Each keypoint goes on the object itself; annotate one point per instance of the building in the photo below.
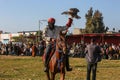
(7, 37)
(76, 31)
(100, 37)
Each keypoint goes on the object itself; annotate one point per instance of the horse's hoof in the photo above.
(69, 69)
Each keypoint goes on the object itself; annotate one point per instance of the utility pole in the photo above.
(40, 22)
(39, 32)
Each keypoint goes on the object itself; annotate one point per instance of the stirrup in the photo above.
(46, 69)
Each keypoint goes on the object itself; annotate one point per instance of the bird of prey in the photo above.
(72, 12)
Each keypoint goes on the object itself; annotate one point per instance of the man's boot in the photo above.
(68, 68)
(46, 66)
(47, 58)
(46, 63)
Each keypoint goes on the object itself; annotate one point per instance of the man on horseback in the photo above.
(50, 33)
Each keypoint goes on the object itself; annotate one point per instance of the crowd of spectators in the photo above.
(22, 49)
(111, 51)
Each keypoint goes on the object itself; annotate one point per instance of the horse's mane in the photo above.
(62, 35)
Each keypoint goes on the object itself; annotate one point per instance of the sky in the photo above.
(24, 15)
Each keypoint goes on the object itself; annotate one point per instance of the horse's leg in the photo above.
(62, 74)
(48, 75)
(52, 76)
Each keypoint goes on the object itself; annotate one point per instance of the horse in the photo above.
(58, 60)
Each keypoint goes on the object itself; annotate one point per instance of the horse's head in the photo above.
(61, 41)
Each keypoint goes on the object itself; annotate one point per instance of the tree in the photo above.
(94, 22)
(119, 31)
(18, 38)
(39, 35)
(89, 27)
(113, 29)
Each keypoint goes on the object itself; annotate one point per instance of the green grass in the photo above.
(31, 68)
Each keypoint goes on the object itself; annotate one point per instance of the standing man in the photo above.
(50, 33)
(92, 57)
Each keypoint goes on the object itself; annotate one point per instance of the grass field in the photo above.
(31, 68)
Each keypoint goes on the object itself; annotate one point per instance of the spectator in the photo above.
(92, 52)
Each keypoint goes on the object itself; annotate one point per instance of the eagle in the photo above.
(72, 12)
